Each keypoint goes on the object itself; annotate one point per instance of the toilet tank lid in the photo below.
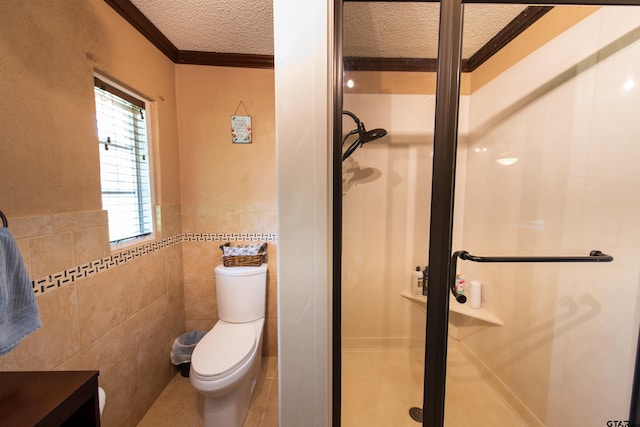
(240, 271)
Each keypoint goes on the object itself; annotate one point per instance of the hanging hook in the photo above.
(5, 223)
(241, 104)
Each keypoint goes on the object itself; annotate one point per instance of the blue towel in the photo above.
(18, 307)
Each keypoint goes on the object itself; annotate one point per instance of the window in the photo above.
(124, 162)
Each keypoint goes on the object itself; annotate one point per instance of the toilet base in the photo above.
(230, 410)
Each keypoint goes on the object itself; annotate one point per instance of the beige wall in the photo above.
(116, 312)
(121, 311)
(549, 26)
(228, 190)
(568, 119)
(386, 211)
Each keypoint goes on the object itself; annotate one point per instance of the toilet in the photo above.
(226, 361)
(102, 399)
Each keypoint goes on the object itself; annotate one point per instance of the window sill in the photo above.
(129, 243)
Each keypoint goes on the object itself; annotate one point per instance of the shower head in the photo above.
(364, 136)
(373, 134)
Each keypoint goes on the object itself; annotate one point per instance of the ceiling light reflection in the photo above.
(629, 84)
(507, 161)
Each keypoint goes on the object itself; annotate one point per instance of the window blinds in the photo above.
(124, 162)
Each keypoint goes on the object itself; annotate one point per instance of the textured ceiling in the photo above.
(224, 26)
(410, 30)
(371, 29)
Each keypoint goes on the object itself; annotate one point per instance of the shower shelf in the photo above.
(456, 307)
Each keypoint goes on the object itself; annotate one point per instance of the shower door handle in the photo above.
(594, 256)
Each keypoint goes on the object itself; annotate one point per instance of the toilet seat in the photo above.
(222, 349)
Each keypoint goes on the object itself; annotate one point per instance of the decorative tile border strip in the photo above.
(89, 269)
(230, 237)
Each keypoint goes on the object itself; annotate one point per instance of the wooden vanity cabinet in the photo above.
(49, 399)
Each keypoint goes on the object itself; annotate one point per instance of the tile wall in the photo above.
(114, 313)
(567, 114)
(119, 312)
(201, 255)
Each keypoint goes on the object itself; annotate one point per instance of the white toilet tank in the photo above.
(241, 293)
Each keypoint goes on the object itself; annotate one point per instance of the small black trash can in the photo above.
(182, 350)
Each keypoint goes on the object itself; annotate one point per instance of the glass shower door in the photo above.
(547, 156)
(385, 208)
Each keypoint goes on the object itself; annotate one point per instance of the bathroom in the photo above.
(545, 166)
(53, 204)
(122, 318)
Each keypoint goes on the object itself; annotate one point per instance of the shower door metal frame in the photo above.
(442, 205)
(336, 241)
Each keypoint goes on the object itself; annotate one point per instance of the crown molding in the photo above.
(513, 29)
(224, 59)
(132, 14)
(356, 63)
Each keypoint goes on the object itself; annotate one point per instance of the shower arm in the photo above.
(353, 132)
(353, 116)
(594, 256)
(358, 130)
(359, 127)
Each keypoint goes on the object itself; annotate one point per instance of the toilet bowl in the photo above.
(226, 362)
(102, 399)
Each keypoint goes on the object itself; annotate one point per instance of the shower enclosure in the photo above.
(516, 168)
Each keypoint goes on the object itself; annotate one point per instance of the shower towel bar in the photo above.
(594, 256)
(5, 223)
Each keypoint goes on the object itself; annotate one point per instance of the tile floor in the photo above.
(378, 388)
(179, 405)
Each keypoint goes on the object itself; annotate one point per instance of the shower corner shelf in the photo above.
(456, 307)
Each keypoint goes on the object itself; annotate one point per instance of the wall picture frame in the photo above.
(241, 129)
